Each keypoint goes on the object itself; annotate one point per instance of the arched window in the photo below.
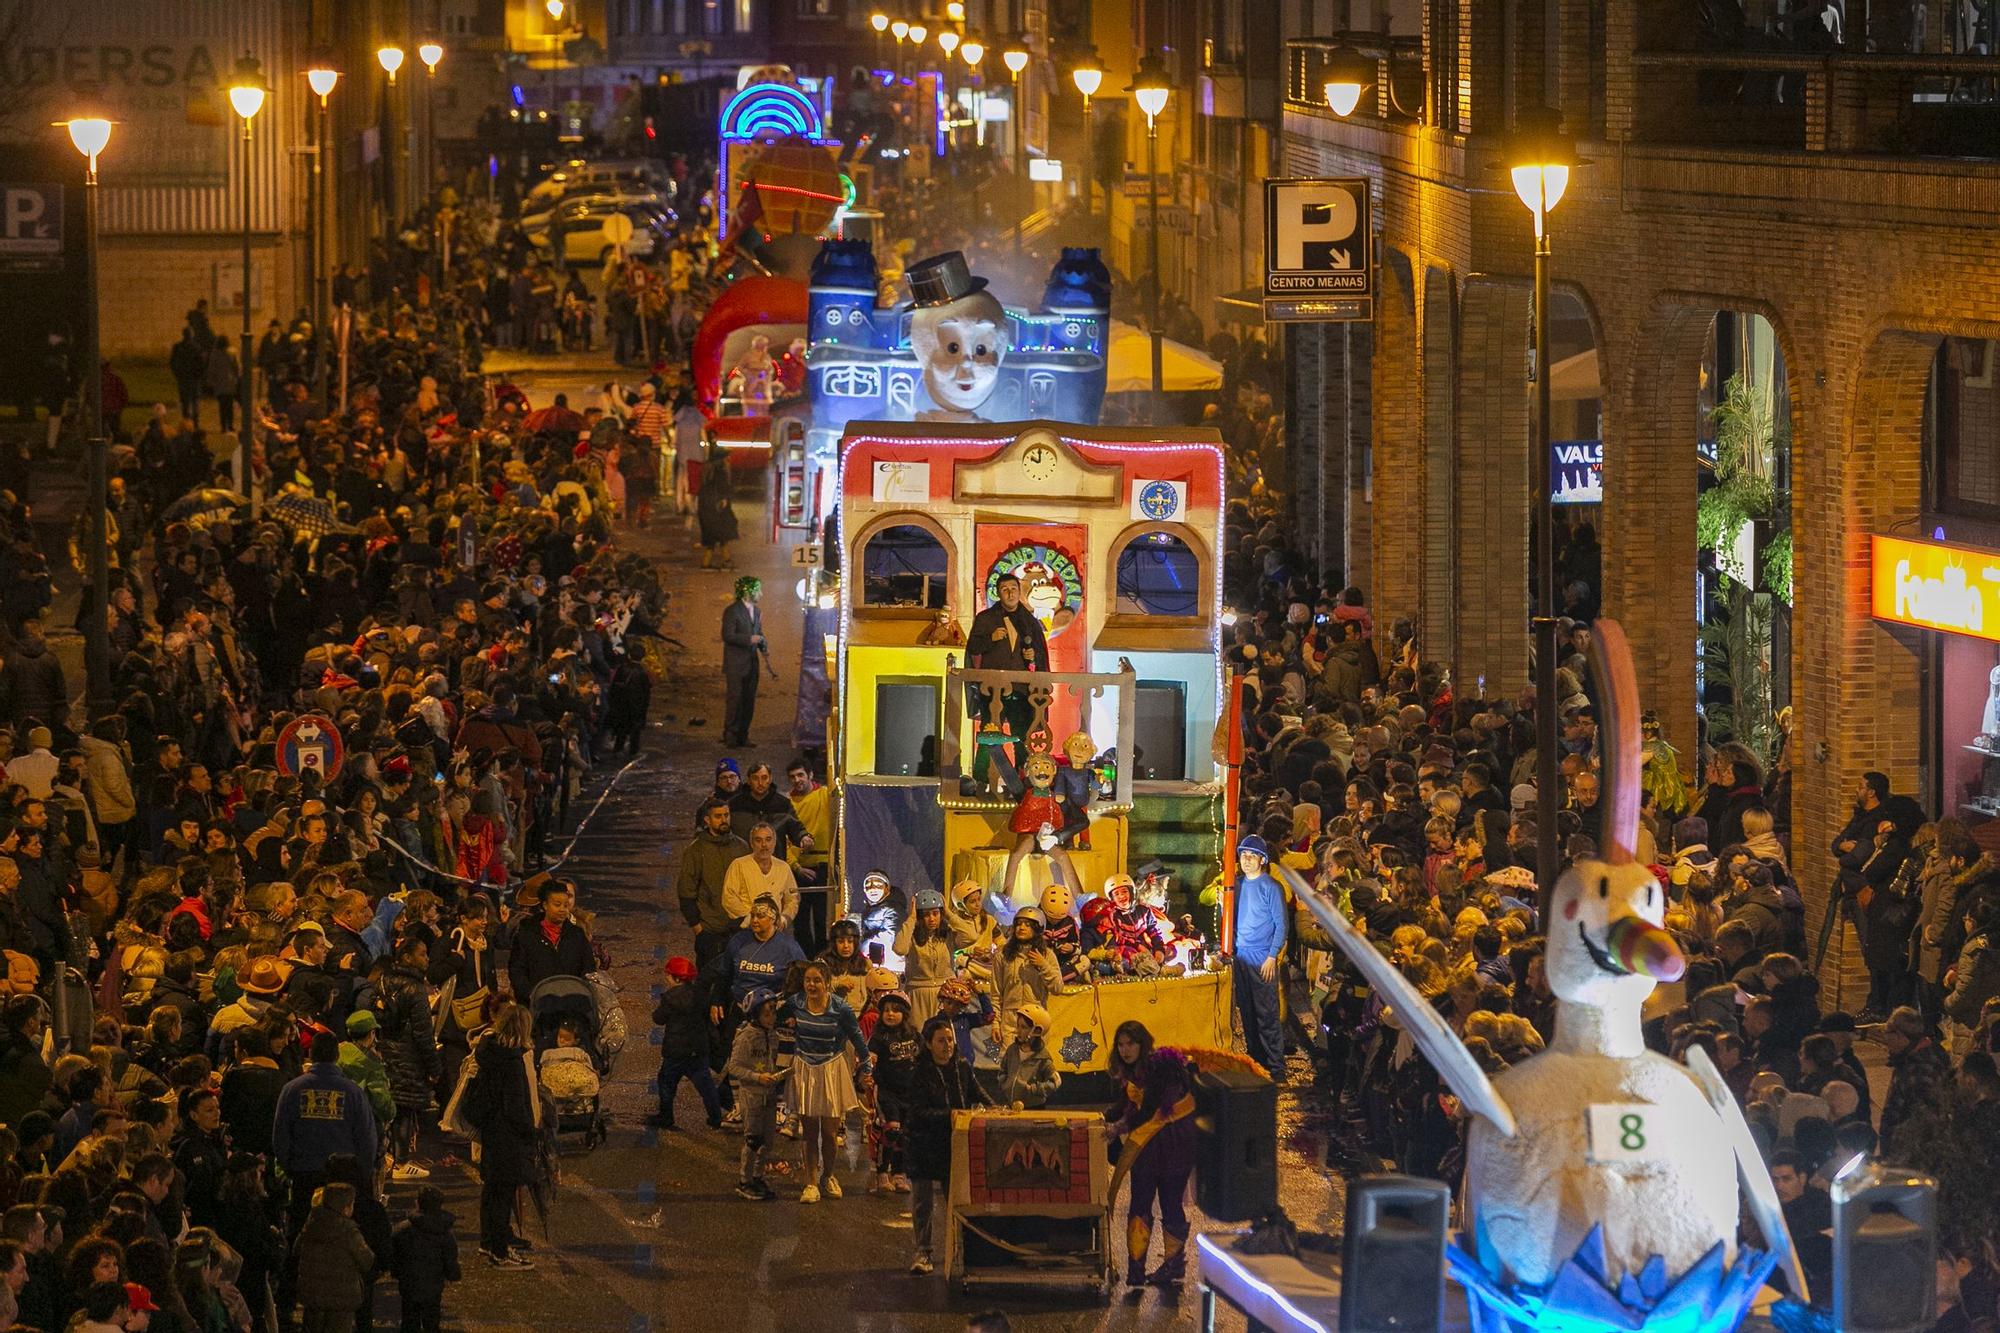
(905, 564)
(1158, 575)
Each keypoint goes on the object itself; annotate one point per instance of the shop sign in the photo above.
(1576, 472)
(1932, 585)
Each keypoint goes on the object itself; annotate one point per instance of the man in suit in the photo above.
(743, 650)
(1006, 636)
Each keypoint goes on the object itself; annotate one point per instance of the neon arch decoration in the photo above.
(771, 109)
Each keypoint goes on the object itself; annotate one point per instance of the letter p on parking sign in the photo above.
(1318, 256)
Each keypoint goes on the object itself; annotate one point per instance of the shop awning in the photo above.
(1575, 378)
(1240, 307)
(1182, 368)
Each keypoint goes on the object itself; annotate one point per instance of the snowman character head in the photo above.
(958, 331)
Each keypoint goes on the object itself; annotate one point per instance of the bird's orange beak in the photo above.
(1644, 949)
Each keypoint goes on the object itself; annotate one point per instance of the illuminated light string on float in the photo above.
(1086, 448)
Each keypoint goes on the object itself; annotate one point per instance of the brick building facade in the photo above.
(1818, 191)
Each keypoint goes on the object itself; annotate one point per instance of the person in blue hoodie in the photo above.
(1261, 921)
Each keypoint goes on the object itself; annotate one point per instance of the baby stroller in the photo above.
(573, 1083)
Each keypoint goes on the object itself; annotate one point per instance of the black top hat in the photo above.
(942, 279)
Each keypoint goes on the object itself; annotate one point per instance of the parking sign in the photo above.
(31, 228)
(1318, 251)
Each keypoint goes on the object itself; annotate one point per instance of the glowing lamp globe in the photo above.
(90, 134)
(1015, 59)
(322, 80)
(972, 53)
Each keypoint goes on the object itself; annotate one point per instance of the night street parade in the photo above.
(1277, 666)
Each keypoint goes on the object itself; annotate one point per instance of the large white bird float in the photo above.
(1601, 1178)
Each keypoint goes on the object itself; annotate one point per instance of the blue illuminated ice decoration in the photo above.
(1711, 1297)
(860, 366)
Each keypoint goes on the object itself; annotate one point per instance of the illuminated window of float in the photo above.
(905, 564)
(1158, 575)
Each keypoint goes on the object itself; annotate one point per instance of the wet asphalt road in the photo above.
(645, 1232)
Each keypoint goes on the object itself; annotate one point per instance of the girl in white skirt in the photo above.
(822, 1092)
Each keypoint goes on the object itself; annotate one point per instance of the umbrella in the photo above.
(555, 420)
(306, 513)
(1130, 363)
(200, 507)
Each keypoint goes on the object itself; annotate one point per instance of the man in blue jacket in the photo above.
(1261, 922)
(320, 1113)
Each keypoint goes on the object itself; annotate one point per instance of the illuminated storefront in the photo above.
(1952, 590)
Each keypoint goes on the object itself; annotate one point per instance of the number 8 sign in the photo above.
(1626, 1132)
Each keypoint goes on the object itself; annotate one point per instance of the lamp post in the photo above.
(880, 23)
(972, 51)
(1539, 157)
(900, 30)
(1088, 77)
(391, 59)
(246, 95)
(321, 79)
(948, 41)
(1149, 89)
(556, 9)
(430, 52)
(91, 134)
(1015, 58)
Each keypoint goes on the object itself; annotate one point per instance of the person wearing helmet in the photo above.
(925, 947)
(894, 1047)
(1028, 1076)
(1025, 972)
(973, 929)
(968, 1009)
(1261, 922)
(744, 649)
(883, 907)
(849, 966)
(755, 1069)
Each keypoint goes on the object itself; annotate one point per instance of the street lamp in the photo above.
(1149, 89)
(321, 79)
(1088, 77)
(392, 60)
(1347, 73)
(880, 23)
(430, 52)
(1015, 58)
(1539, 158)
(246, 95)
(972, 51)
(91, 134)
(955, 11)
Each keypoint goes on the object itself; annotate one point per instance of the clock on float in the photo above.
(1038, 462)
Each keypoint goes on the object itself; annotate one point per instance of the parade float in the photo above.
(779, 191)
(1044, 782)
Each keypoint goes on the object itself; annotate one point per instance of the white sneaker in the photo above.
(410, 1171)
(832, 1188)
(810, 1194)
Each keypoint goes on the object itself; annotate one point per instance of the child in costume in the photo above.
(1135, 943)
(974, 931)
(894, 1049)
(1061, 931)
(1025, 972)
(883, 908)
(757, 1064)
(925, 948)
(1028, 1076)
(1157, 1147)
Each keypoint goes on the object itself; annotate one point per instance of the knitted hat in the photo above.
(361, 1022)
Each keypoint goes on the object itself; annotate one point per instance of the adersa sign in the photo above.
(1936, 585)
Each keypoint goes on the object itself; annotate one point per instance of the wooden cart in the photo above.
(1029, 1200)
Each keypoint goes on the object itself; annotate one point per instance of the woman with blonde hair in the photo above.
(502, 1105)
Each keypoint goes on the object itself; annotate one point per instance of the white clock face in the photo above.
(1038, 464)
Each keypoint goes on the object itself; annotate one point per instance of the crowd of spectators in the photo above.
(1414, 802)
(260, 905)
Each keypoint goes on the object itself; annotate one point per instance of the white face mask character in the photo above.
(961, 344)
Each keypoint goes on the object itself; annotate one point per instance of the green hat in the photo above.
(749, 586)
(360, 1023)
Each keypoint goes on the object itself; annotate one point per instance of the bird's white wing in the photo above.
(1765, 1206)
(1425, 1025)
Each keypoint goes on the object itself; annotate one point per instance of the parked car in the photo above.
(535, 221)
(642, 173)
(585, 240)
